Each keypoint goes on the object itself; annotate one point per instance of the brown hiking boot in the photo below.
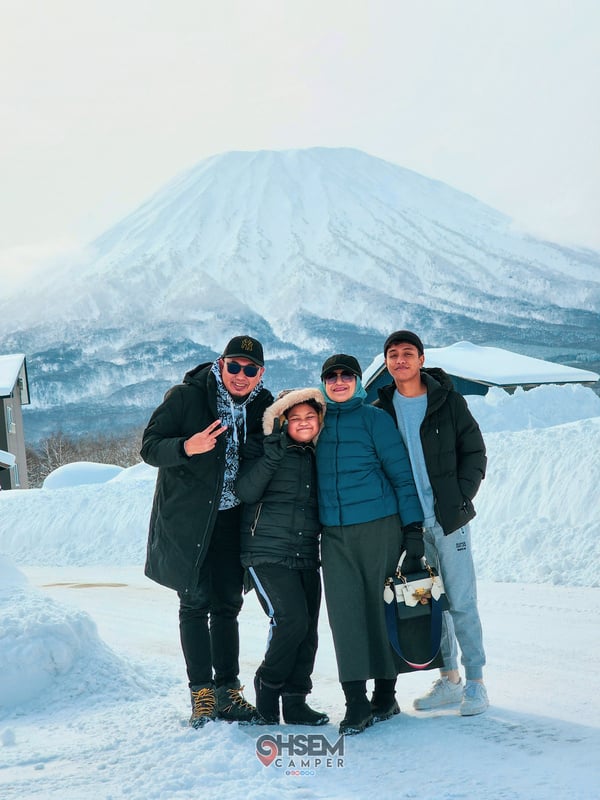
(204, 705)
(232, 706)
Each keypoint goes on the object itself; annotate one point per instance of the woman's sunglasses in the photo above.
(250, 370)
(345, 377)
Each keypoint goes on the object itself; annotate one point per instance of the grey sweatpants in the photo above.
(453, 558)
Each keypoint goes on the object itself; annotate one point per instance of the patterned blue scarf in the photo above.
(233, 414)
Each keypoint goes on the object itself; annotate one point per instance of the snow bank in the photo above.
(542, 407)
(80, 473)
(80, 525)
(537, 508)
(47, 648)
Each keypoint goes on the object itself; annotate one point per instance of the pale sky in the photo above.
(104, 101)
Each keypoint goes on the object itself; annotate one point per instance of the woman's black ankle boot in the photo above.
(383, 701)
(358, 708)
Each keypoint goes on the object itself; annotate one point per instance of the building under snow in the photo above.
(474, 369)
(14, 393)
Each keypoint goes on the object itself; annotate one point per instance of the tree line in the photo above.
(59, 449)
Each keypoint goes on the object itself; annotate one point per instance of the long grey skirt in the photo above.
(356, 561)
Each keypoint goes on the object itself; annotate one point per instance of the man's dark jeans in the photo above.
(208, 617)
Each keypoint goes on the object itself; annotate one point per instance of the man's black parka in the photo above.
(188, 489)
(453, 447)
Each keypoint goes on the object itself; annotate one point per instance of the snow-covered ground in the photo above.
(93, 696)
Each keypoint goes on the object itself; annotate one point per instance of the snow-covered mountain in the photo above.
(313, 251)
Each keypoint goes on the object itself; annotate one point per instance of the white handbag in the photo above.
(415, 590)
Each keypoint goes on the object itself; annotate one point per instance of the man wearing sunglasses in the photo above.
(195, 437)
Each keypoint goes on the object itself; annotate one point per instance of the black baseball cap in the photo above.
(245, 347)
(341, 361)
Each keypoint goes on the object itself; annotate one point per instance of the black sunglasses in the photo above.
(250, 370)
(345, 377)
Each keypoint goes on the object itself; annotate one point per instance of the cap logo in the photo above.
(247, 344)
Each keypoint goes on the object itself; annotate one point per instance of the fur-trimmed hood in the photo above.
(288, 398)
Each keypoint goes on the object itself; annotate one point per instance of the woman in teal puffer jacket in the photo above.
(370, 512)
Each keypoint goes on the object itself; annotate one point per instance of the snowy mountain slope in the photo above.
(306, 231)
(312, 251)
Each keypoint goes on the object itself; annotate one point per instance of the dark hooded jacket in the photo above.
(278, 486)
(453, 447)
(188, 489)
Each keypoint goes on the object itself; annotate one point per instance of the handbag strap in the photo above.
(424, 564)
(391, 622)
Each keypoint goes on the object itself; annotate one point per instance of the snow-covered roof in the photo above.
(500, 367)
(493, 366)
(10, 366)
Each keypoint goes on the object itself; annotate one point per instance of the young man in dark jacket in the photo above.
(194, 438)
(448, 458)
(280, 549)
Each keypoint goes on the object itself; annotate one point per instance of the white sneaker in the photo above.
(442, 693)
(475, 699)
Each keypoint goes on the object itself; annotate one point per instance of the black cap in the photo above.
(245, 347)
(341, 361)
(403, 336)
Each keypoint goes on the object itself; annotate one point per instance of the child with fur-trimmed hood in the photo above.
(280, 550)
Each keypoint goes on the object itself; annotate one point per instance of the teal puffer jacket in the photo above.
(363, 468)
